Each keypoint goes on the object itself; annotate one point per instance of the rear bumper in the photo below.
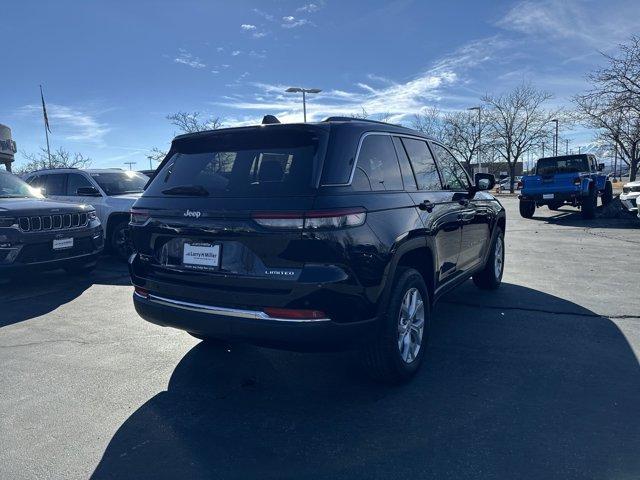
(572, 196)
(252, 326)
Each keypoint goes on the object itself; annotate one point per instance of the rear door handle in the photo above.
(426, 205)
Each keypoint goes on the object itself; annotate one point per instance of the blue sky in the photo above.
(113, 70)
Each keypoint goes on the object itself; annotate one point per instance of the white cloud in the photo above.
(310, 7)
(73, 124)
(259, 34)
(587, 24)
(293, 22)
(379, 96)
(188, 59)
(235, 53)
(263, 14)
(247, 26)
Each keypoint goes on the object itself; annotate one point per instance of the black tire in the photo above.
(382, 358)
(555, 206)
(119, 240)
(607, 195)
(489, 278)
(80, 269)
(589, 204)
(527, 208)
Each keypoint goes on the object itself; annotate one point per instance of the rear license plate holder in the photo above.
(201, 256)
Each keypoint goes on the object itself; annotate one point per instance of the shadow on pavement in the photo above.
(504, 393)
(612, 216)
(29, 296)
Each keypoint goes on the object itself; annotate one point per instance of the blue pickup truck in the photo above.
(566, 180)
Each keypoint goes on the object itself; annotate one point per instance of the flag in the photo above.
(44, 111)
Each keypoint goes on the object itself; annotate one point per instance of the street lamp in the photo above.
(479, 109)
(304, 92)
(555, 141)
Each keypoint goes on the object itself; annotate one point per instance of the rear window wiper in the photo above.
(191, 190)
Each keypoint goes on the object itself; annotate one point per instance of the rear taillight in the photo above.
(139, 217)
(294, 314)
(312, 220)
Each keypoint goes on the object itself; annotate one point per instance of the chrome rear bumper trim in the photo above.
(223, 311)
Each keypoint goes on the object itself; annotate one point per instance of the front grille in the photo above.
(42, 252)
(53, 222)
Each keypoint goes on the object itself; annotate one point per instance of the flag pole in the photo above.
(46, 126)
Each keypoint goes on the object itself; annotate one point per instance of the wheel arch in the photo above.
(414, 254)
(113, 219)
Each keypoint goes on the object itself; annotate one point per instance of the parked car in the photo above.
(111, 191)
(630, 194)
(324, 236)
(42, 234)
(568, 179)
(148, 173)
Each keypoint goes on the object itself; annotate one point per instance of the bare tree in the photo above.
(517, 121)
(362, 115)
(429, 121)
(612, 104)
(189, 122)
(461, 133)
(60, 158)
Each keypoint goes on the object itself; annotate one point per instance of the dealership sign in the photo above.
(8, 147)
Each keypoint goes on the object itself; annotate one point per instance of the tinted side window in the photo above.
(423, 165)
(36, 181)
(377, 165)
(454, 177)
(76, 181)
(55, 184)
(405, 166)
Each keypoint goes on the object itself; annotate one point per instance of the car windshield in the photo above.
(550, 166)
(12, 187)
(120, 183)
(250, 164)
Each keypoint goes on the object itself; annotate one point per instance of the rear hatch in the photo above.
(207, 217)
(556, 174)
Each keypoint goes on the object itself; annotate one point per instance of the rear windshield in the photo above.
(262, 162)
(550, 166)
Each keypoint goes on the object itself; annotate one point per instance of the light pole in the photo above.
(131, 164)
(542, 149)
(479, 109)
(304, 92)
(555, 140)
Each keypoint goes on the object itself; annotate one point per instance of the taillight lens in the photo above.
(312, 220)
(138, 217)
(143, 292)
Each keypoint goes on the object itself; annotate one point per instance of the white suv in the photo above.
(112, 192)
(630, 194)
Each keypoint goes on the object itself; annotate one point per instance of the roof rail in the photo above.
(355, 119)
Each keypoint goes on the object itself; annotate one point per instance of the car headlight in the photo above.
(7, 221)
(92, 215)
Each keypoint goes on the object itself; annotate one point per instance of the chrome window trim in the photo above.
(355, 163)
(224, 311)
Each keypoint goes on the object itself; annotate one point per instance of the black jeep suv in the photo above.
(336, 234)
(41, 234)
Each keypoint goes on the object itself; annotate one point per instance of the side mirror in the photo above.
(600, 167)
(88, 192)
(484, 181)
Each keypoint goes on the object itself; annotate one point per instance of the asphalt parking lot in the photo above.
(539, 379)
